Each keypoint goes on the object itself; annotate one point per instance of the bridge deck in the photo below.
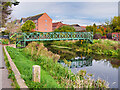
(45, 36)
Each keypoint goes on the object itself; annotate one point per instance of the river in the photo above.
(103, 67)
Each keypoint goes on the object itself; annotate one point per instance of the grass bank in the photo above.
(24, 66)
(101, 47)
(40, 56)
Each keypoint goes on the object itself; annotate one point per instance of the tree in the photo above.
(6, 11)
(28, 26)
(115, 24)
(65, 29)
(12, 27)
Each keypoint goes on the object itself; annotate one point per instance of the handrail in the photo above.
(44, 36)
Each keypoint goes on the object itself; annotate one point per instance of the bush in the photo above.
(64, 76)
(28, 26)
(5, 41)
(109, 35)
(97, 36)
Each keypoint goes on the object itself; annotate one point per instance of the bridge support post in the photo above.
(24, 43)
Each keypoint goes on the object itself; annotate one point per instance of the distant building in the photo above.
(42, 22)
(78, 28)
(57, 25)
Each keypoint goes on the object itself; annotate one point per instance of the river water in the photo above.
(104, 68)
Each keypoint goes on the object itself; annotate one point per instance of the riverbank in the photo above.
(64, 77)
(101, 47)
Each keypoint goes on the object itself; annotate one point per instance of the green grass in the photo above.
(24, 66)
(11, 73)
(101, 47)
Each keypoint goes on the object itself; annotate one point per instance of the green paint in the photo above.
(47, 36)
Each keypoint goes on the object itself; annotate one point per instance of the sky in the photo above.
(69, 12)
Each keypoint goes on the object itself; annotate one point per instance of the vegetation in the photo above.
(62, 75)
(114, 24)
(28, 26)
(65, 29)
(12, 27)
(24, 65)
(6, 11)
(109, 27)
(11, 73)
(100, 47)
(4, 41)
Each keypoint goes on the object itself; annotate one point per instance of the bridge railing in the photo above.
(57, 36)
(43, 36)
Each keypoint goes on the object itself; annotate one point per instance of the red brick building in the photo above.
(57, 25)
(42, 21)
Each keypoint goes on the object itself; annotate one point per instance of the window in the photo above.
(46, 29)
(35, 21)
(45, 20)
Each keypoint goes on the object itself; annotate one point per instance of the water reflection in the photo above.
(78, 62)
(102, 68)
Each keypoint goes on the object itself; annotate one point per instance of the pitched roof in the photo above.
(32, 17)
(35, 17)
(83, 26)
(78, 28)
(57, 25)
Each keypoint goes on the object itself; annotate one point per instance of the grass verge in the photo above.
(24, 66)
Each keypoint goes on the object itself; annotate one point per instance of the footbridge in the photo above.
(22, 38)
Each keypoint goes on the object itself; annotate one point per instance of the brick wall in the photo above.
(44, 24)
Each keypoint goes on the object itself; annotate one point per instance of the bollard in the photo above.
(36, 73)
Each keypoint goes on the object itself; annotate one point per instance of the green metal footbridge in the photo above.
(22, 38)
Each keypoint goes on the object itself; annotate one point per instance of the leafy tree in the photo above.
(28, 26)
(65, 29)
(12, 27)
(115, 24)
(6, 11)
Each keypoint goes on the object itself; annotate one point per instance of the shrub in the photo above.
(5, 41)
(34, 49)
(97, 36)
(28, 26)
(109, 35)
(64, 76)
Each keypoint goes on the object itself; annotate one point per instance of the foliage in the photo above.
(109, 35)
(12, 27)
(28, 26)
(34, 49)
(65, 29)
(101, 47)
(115, 24)
(101, 29)
(24, 65)
(6, 32)
(6, 11)
(64, 76)
(5, 41)
(97, 36)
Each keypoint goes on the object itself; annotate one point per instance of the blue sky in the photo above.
(82, 13)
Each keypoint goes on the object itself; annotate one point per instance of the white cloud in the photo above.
(83, 13)
(81, 22)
